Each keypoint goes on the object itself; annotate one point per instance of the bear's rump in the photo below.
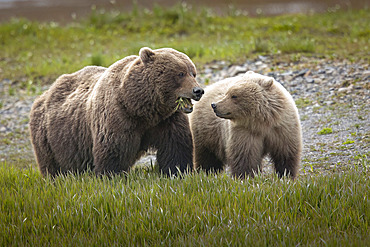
(69, 134)
(69, 137)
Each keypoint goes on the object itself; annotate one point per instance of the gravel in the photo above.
(329, 94)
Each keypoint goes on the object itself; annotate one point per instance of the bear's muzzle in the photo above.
(197, 93)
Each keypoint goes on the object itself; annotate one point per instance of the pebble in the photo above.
(310, 80)
(236, 70)
(302, 72)
(329, 102)
(345, 89)
(366, 74)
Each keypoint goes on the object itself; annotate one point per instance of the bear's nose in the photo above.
(198, 92)
(213, 105)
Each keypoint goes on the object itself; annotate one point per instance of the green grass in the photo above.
(303, 102)
(42, 51)
(145, 209)
(325, 131)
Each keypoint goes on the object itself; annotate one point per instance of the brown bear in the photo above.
(104, 119)
(253, 116)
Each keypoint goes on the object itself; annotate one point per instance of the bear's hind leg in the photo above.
(285, 150)
(45, 159)
(285, 164)
(207, 160)
(44, 155)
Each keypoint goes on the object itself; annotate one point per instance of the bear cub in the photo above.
(242, 119)
(104, 119)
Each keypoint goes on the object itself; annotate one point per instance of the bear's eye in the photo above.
(234, 97)
(182, 74)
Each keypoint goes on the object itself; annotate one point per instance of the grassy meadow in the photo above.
(39, 52)
(145, 209)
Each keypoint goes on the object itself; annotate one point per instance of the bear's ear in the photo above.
(146, 54)
(267, 83)
(248, 74)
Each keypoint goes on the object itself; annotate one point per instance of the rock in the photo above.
(302, 72)
(345, 89)
(287, 73)
(258, 63)
(318, 81)
(310, 80)
(321, 71)
(235, 70)
(293, 83)
(263, 58)
(366, 74)
(3, 129)
(208, 71)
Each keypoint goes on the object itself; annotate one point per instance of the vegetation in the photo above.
(325, 131)
(145, 209)
(40, 51)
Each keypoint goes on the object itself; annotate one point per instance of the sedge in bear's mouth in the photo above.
(184, 105)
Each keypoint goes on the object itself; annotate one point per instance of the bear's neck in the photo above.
(141, 101)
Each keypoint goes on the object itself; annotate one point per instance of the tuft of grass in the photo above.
(325, 131)
(5, 141)
(145, 209)
(348, 142)
(261, 46)
(97, 59)
(296, 45)
(302, 102)
(11, 91)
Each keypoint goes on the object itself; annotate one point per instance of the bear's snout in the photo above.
(197, 93)
(220, 112)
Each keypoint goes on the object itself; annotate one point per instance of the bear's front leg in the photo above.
(174, 144)
(244, 154)
(114, 154)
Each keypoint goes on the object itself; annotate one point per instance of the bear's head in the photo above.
(247, 99)
(173, 75)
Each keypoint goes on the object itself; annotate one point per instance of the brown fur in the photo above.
(104, 119)
(253, 116)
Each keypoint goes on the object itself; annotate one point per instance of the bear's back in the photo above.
(288, 99)
(78, 83)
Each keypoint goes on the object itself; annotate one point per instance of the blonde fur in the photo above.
(253, 116)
